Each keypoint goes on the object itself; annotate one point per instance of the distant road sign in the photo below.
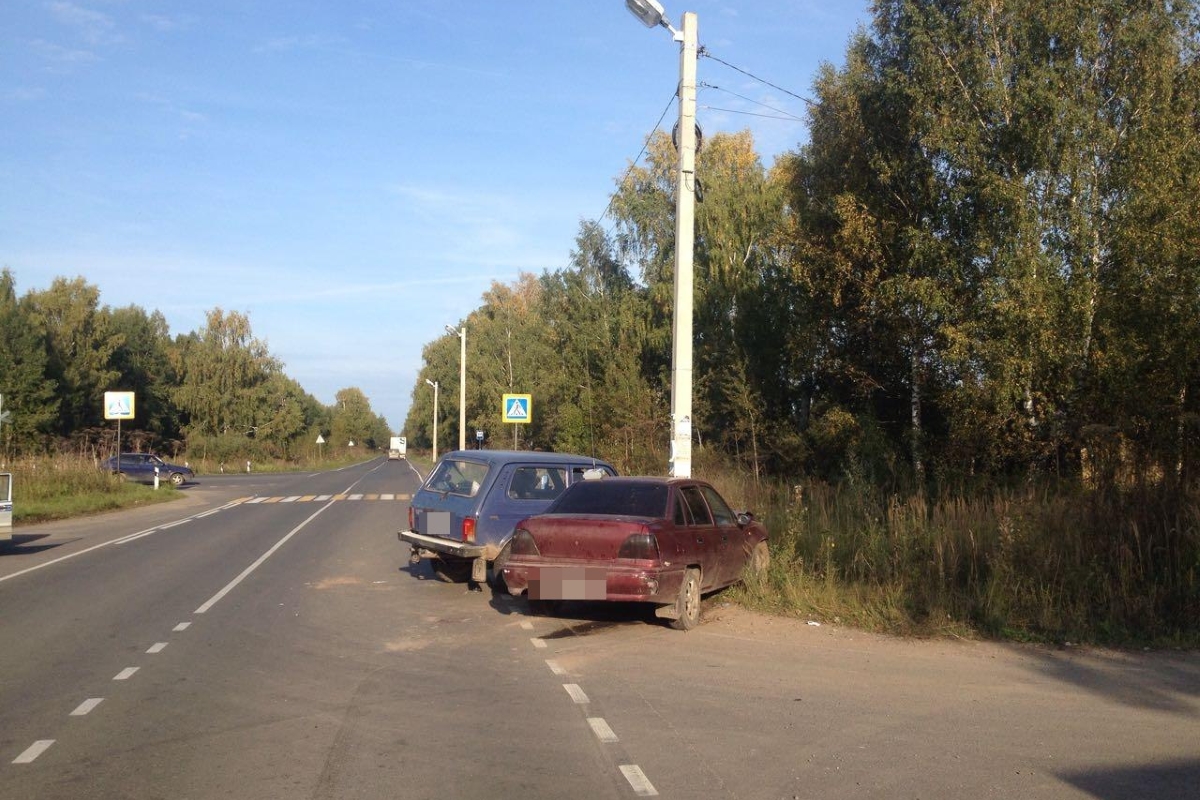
(118, 405)
(517, 408)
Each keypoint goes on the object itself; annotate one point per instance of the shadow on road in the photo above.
(1158, 681)
(21, 544)
(1177, 780)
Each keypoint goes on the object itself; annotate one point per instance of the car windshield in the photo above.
(617, 498)
(458, 477)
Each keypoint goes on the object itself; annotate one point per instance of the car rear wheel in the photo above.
(545, 608)
(760, 560)
(497, 581)
(452, 570)
(688, 602)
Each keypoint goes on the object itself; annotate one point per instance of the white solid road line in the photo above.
(33, 751)
(212, 601)
(86, 706)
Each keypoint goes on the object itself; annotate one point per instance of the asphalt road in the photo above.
(266, 638)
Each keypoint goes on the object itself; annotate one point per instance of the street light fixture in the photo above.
(434, 384)
(462, 386)
(651, 14)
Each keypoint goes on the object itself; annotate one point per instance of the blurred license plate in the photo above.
(569, 583)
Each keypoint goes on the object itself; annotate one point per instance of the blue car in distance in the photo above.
(140, 467)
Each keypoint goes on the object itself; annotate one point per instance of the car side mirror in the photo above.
(744, 518)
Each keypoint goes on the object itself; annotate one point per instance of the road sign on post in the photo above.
(517, 408)
(119, 406)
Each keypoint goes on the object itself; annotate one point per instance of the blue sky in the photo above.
(353, 175)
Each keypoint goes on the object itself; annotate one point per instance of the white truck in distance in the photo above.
(399, 448)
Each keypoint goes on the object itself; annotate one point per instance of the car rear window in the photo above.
(537, 483)
(457, 477)
(614, 498)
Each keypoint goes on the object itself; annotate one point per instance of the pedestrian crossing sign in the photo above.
(516, 408)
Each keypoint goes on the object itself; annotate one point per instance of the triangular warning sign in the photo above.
(516, 409)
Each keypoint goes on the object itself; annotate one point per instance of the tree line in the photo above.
(982, 266)
(217, 393)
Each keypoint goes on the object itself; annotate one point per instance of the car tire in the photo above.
(760, 560)
(688, 602)
(545, 608)
(497, 580)
(177, 478)
(451, 570)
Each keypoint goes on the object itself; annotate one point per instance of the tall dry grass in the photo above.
(1051, 562)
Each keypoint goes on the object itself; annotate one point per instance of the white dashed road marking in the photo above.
(527, 625)
(538, 642)
(86, 706)
(576, 693)
(125, 674)
(157, 647)
(642, 786)
(34, 750)
(603, 732)
(183, 626)
(554, 667)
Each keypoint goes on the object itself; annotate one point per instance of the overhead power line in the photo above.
(704, 52)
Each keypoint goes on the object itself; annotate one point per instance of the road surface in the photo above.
(265, 637)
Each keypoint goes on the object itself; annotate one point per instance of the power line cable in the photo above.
(787, 114)
(642, 152)
(704, 52)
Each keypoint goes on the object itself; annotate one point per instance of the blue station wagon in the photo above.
(463, 516)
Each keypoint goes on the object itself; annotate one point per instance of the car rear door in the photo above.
(521, 490)
(703, 537)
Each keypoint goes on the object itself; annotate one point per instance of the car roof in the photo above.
(501, 457)
(660, 479)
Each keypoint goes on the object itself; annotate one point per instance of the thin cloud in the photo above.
(94, 26)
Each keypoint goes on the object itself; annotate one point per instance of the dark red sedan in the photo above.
(648, 540)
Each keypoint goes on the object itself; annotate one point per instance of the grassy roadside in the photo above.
(1054, 563)
(63, 487)
(46, 489)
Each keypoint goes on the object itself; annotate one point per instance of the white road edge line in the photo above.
(87, 706)
(216, 598)
(122, 540)
(33, 751)
(642, 786)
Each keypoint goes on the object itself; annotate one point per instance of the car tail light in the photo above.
(640, 546)
(412, 526)
(468, 529)
(523, 544)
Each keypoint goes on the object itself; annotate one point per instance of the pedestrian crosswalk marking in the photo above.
(322, 498)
